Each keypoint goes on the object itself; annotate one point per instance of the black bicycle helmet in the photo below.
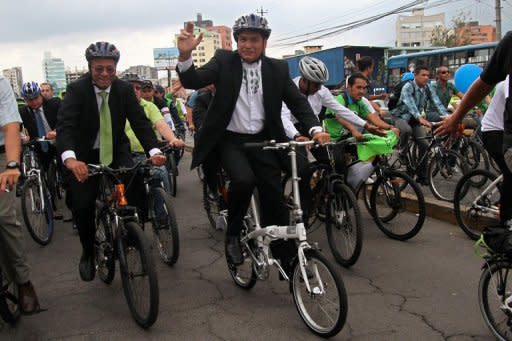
(251, 22)
(131, 77)
(102, 49)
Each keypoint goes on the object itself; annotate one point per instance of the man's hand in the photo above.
(374, 130)
(158, 159)
(357, 135)
(396, 131)
(78, 168)
(320, 137)
(177, 143)
(9, 178)
(187, 42)
(301, 138)
(424, 122)
(51, 135)
(25, 137)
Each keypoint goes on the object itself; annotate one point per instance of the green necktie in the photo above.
(105, 131)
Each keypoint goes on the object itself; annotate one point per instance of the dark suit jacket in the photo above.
(225, 71)
(78, 120)
(50, 109)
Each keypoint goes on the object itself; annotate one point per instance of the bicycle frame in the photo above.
(490, 189)
(264, 235)
(31, 172)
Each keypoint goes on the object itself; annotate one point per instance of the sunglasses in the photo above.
(444, 72)
(109, 69)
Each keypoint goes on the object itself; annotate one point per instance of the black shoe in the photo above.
(57, 215)
(233, 250)
(86, 267)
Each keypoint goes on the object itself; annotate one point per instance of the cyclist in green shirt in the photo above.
(352, 98)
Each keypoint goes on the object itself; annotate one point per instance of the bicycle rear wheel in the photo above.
(37, 211)
(475, 155)
(474, 215)
(398, 205)
(343, 225)
(166, 236)
(138, 274)
(495, 299)
(104, 248)
(324, 309)
(10, 310)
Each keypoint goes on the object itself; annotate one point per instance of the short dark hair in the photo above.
(358, 75)
(365, 62)
(46, 83)
(418, 69)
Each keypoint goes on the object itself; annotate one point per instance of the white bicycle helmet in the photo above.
(313, 70)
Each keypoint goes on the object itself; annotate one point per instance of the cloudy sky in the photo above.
(66, 28)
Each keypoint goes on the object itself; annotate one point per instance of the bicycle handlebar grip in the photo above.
(258, 144)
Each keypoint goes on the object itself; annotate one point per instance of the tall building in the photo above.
(144, 71)
(15, 77)
(206, 49)
(416, 30)
(223, 31)
(473, 33)
(54, 72)
(73, 75)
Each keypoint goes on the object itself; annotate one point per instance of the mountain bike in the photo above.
(36, 199)
(317, 289)
(119, 235)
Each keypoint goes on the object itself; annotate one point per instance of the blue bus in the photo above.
(453, 58)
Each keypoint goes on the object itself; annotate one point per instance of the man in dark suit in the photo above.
(90, 129)
(250, 89)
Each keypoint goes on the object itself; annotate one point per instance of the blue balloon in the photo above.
(465, 76)
(408, 76)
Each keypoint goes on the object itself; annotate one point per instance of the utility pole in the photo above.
(498, 20)
(261, 11)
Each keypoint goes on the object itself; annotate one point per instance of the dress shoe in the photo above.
(57, 215)
(233, 250)
(86, 267)
(28, 301)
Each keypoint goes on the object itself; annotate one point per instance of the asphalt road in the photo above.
(423, 289)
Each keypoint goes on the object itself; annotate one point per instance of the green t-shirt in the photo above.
(331, 124)
(153, 114)
(445, 94)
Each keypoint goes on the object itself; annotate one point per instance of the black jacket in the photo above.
(50, 109)
(225, 71)
(78, 120)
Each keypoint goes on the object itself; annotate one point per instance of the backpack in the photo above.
(394, 97)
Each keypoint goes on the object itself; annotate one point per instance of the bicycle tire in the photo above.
(172, 174)
(133, 241)
(389, 187)
(475, 155)
(55, 182)
(444, 173)
(30, 189)
(104, 248)
(10, 310)
(212, 206)
(470, 219)
(169, 251)
(497, 294)
(336, 288)
(344, 218)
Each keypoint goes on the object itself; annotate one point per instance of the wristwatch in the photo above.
(12, 165)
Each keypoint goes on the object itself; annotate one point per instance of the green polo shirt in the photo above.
(331, 124)
(153, 114)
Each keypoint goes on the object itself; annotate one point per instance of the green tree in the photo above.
(455, 35)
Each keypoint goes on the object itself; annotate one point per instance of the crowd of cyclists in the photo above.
(241, 97)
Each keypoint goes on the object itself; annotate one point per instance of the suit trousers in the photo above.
(13, 260)
(248, 168)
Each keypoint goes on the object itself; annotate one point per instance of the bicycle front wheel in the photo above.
(37, 211)
(324, 308)
(398, 205)
(473, 210)
(444, 172)
(138, 274)
(10, 310)
(166, 236)
(104, 248)
(495, 299)
(343, 224)
(172, 173)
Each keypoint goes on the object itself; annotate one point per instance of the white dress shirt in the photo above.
(321, 98)
(494, 116)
